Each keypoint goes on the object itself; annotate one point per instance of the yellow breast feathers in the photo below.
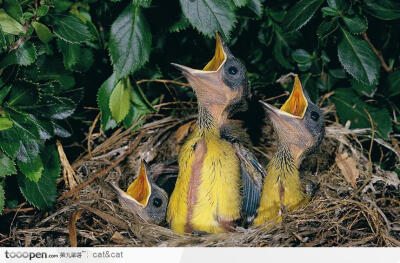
(282, 189)
(207, 192)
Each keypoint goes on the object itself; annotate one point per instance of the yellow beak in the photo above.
(297, 103)
(140, 188)
(207, 82)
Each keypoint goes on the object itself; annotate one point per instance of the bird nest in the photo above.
(356, 203)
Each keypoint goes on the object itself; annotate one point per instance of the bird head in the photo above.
(143, 197)
(221, 85)
(299, 123)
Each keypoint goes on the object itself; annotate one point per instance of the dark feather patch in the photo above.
(252, 177)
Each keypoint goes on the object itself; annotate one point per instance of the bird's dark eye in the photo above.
(232, 70)
(314, 115)
(157, 202)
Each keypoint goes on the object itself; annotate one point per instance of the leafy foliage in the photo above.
(358, 59)
(130, 41)
(56, 53)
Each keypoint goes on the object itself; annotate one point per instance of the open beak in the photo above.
(135, 199)
(207, 82)
(289, 116)
(297, 103)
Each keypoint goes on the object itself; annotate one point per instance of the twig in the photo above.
(21, 39)
(89, 148)
(68, 172)
(278, 96)
(163, 81)
(377, 52)
(104, 172)
(9, 210)
(106, 217)
(72, 227)
(369, 153)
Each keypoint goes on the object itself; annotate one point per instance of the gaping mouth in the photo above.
(140, 188)
(294, 107)
(219, 56)
(213, 66)
(297, 103)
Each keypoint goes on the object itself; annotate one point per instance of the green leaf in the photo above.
(103, 100)
(43, 32)
(71, 53)
(180, 25)
(301, 13)
(309, 83)
(277, 15)
(256, 7)
(42, 10)
(364, 89)
(303, 59)
(62, 5)
(54, 107)
(327, 28)
(383, 9)
(341, 5)
(281, 49)
(130, 41)
(25, 55)
(358, 59)
(27, 15)
(329, 11)
(3, 41)
(5, 123)
(51, 68)
(23, 139)
(4, 92)
(60, 131)
(382, 121)
(32, 169)
(240, 3)
(355, 24)
(138, 109)
(280, 56)
(2, 198)
(9, 25)
(43, 193)
(301, 56)
(338, 73)
(394, 83)
(23, 93)
(143, 3)
(349, 106)
(70, 29)
(208, 16)
(86, 60)
(45, 127)
(13, 8)
(7, 165)
(119, 100)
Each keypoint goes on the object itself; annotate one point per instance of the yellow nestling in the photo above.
(299, 125)
(219, 181)
(143, 197)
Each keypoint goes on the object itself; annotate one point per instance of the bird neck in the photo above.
(283, 165)
(283, 179)
(211, 118)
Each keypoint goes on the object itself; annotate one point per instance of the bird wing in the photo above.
(252, 177)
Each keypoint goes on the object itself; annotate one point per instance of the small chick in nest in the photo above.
(143, 197)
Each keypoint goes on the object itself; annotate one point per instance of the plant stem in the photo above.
(377, 52)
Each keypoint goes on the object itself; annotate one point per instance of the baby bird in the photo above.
(219, 181)
(143, 197)
(300, 127)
